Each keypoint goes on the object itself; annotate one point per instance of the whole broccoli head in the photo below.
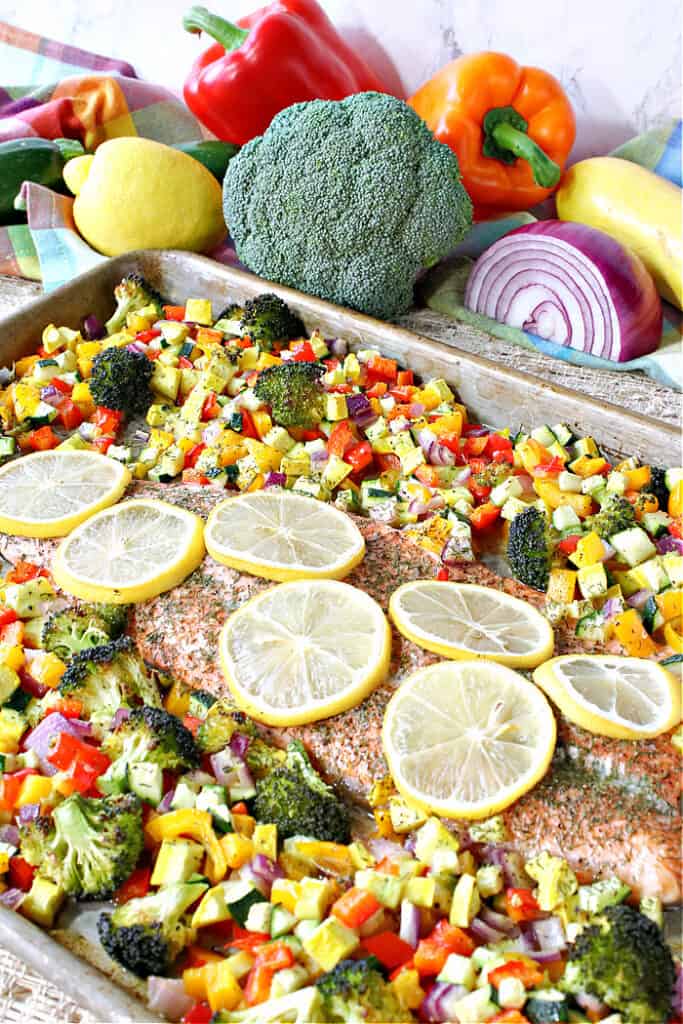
(120, 380)
(615, 514)
(294, 393)
(147, 934)
(105, 678)
(69, 632)
(624, 960)
(529, 549)
(296, 799)
(356, 990)
(347, 200)
(89, 847)
(148, 734)
(221, 721)
(132, 294)
(267, 319)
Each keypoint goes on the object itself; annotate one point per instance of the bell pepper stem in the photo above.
(545, 171)
(230, 36)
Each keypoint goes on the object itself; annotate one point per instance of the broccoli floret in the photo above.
(229, 319)
(267, 319)
(222, 720)
(356, 990)
(658, 486)
(69, 632)
(294, 393)
(114, 615)
(348, 200)
(615, 514)
(148, 734)
(296, 799)
(529, 549)
(263, 758)
(624, 960)
(492, 474)
(147, 934)
(132, 294)
(106, 678)
(120, 380)
(89, 847)
(200, 702)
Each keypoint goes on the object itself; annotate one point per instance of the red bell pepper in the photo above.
(380, 368)
(509, 1017)
(42, 440)
(106, 420)
(484, 515)
(103, 444)
(443, 574)
(521, 905)
(11, 785)
(341, 438)
(390, 950)
(176, 313)
(62, 385)
(360, 456)
(568, 545)
(146, 336)
(257, 988)
(303, 352)
(20, 874)
(433, 952)
(210, 409)
(284, 53)
(24, 571)
(136, 886)
(7, 616)
(69, 415)
(81, 760)
(200, 1013)
(676, 528)
(473, 446)
(69, 707)
(192, 456)
(529, 974)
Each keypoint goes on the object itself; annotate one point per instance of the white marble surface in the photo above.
(620, 60)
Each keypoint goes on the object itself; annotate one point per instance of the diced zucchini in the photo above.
(281, 922)
(512, 508)
(570, 482)
(549, 1006)
(510, 488)
(213, 798)
(185, 796)
(8, 446)
(177, 860)
(146, 780)
(594, 898)
(633, 545)
(43, 901)
(544, 436)
(459, 970)
(259, 917)
(563, 434)
(387, 889)
(656, 523)
(617, 482)
(651, 575)
(565, 518)
(592, 580)
(9, 683)
(591, 627)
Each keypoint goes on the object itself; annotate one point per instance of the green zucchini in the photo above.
(37, 160)
(546, 1007)
(213, 154)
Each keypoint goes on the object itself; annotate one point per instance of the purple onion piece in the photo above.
(669, 544)
(499, 921)
(239, 744)
(549, 933)
(168, 997)
(12, 898)
(223, 766)
(29, 812)
(164, 804)
(357, 404)
(338, 347)
(381, 848)
(416, 409)
(120, 715)
(266, 868)
(274, 479)
(410, 923)
(247, 874)
(611, 607)
(438, 1006)
(590, 1003)
(677, 998)
(9, 834)
(639, 599)
(93, 328)
(40, 738)
(83, 730)
(512, 864)
(547, 956)
(485, 932)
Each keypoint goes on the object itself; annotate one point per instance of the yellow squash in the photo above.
(138, 194)
(635, 206)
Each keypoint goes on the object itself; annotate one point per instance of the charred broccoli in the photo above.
(624, 960)
(120, 380)
(114, 615)
(69, 632)
(105, 678)
(294, 393)
(616, 514)
(221, 721)
(356, 990)
(147, 934)
(529, 549)
(229, 319)
(267, 318)
(133, 294)
(658, 486)
(90, 845)
(148, 734)
(296, 799)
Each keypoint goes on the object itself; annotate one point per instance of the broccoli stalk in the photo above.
(90, 846)
(133, 294)
(348, 200)
(356, 990)
(152, 735)
(623, 960)
(120, 380)
(294, 393)
(267, 319)
(295, 798)
(529, 549)
(147, 934)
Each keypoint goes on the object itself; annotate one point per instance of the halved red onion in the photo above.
(168, 997)
(570, 284)
(9, 834)
(93, 328)
(29, 812)
(409, 929)
(40, 738)
(639, 599)
(239, 744)
(164, 804)
(274, 479)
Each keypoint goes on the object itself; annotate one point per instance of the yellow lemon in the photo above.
(139, 194)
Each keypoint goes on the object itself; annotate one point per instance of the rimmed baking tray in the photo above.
(496, 395)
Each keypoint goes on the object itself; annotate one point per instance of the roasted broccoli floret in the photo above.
(296, 799)
(106, 678)
(624, 960)
(615, 514)
(222, 720)
(120, 380)
(294, 393)
(133, 294)
(529, 548)
(148, 734)
(90, 845)
(69, 632)
(147, 934)
(356, 990)
(492, 474)
(263, 758)
(658, 486)
(229, 319)
(267, 319)
(115, 616)
(348, 200)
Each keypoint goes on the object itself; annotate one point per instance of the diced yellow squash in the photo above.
(466, 901)
(262, 421)
(562, 585)
(12, 656)
(198, 311)
(405, 816)
(238, 849)
(266, 459)
(267, 359)
(331, 942)
(287, 892)
(82, 397)
(589, 550)
(420, 891)
(34, 789)
(195, 981)
(407, 987)
(632, 635)
(554, 497)
(223, 991)
(244, 824)
(532, 453)
(315, 895)
(12, 727)
(42, 902)
(47, 669)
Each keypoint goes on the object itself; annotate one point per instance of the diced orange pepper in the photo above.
(632, 635)
(432, 952)
(637, 478)
(670, 604)
(509, 1017)
(355, 907)
(554, 497)
(528, 973)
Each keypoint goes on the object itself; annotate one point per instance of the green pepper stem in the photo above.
(545, 171)
(230, 36)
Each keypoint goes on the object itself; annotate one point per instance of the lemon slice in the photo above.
(464, 620)
(283, 536)
(626, 698)
(465, 739)
(305, 650)
(130, 553)
(48, 493)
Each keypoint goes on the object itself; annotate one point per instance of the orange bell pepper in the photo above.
(511, 128)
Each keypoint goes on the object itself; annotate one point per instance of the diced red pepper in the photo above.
(174, 313)
(192, 455)
(479, 492)
(377, 390)
(359, 456)
(102, 444)
(408, 966)
(28, 683)
(257, 988)
(405, 378)
(521, 905)
(68, 751)
(303, 352)
(43, 439)
(432, 952)
(136, 886)
(504, 455)
(106, 420)
(453, 443)
(568, 545)
(69, 415)
(473, 446)
(380, 368)
(7, 615)
(484, 516)
(10, 786)
(275, 955)
(428, 475)
(69, 707)
(341, 438)
(676, 528)
(443, 574)
(194, 476)
(355, 907)
(240, 808)
(192, 723)
(62, 385)
(387, 463)
(402, 395)
(24, 571)
(310, 435)
(210, 409)
(146, 336)
(529, 974)
(200, 1013)
(390, 950)
(248, 428)
(552, 468)
(20, 874)
(184, 363)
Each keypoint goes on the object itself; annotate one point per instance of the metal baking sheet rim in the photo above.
(91, 988)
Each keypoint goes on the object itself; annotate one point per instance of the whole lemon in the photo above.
(138, 194)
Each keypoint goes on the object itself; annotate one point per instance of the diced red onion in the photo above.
(51, 395)
(266, 868)
(223, 766)
(512, 864)
(639, 599)
(9, 834)
(677, 997)
(168, 997)
(416, 409)
(366, 420)
(425, 439)
(375, 924)
(40, 738)
(83, 730)
(29, 812)
(611, 607)
(12, 898)
(164, 804)
(463, 476)
(245, 780)
(438, 1005)
(381, 848)
(319, 457)
(500, 921)
(141, 436)
(120, 715)
(485, 932)
(338, 347)
(398, 424)
(441, 455)
(549, 933)
(357, 404)
(526, 484)
(93, 328)
(666, 545)
(570, 284)
(590, 1003)
(436, 502)
(475, 431)
(418, 507)
(274, 479)
(410, 923)
(137, 346)
(548, 956)
(239, 744)
(247, 874)
(87, 431)
(608, 551)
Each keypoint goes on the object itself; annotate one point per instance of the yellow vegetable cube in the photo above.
(12, 727)
(244, 824)
(267, 359)
(223, 990)
(561, 585)
(315, 896)
(195, 980)
(47, 668)
(420, 891)
(466, 901)
(589, 550)
(407, 987)
(82, 397)
(331, 942)
(198, 311)
(670, 604)
(262, 422)
(34, 789)
(449, 424)
(532, 453)
(632, 635)
(12, 655)
(286, 892)
(587, 465)
(238, 849)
